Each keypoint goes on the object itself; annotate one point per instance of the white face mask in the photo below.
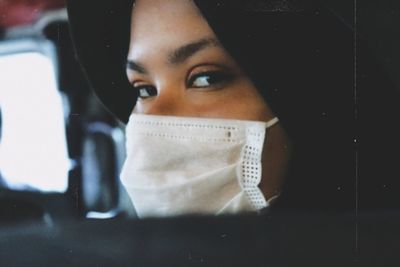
(182, 165)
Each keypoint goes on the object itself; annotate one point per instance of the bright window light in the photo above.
(33, 148)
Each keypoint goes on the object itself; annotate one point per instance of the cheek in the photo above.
(240, 101)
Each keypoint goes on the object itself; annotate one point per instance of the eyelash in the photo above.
(219, 78)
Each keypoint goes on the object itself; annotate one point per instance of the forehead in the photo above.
(157, 23)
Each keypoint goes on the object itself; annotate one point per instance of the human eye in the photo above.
(209, 79)
(145, 91)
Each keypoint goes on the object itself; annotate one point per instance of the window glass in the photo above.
(33, 148)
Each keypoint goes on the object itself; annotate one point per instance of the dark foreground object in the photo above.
(278, 240)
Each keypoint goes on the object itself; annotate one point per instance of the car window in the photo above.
(33, 148)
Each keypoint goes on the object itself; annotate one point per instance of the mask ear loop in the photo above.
(272, 122)
(272, 199)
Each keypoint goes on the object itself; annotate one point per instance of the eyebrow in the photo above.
(181, 54)
(178, 55)
(133, 65)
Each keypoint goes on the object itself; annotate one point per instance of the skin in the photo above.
(179, 67)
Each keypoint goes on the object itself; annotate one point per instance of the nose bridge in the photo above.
(169, 101)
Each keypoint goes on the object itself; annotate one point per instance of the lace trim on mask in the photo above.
(251, 170)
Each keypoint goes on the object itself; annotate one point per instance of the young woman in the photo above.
(179, 68)
(204, 84)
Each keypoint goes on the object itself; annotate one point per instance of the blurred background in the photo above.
(60, 151)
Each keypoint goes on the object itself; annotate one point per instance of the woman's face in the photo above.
(179, 68)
